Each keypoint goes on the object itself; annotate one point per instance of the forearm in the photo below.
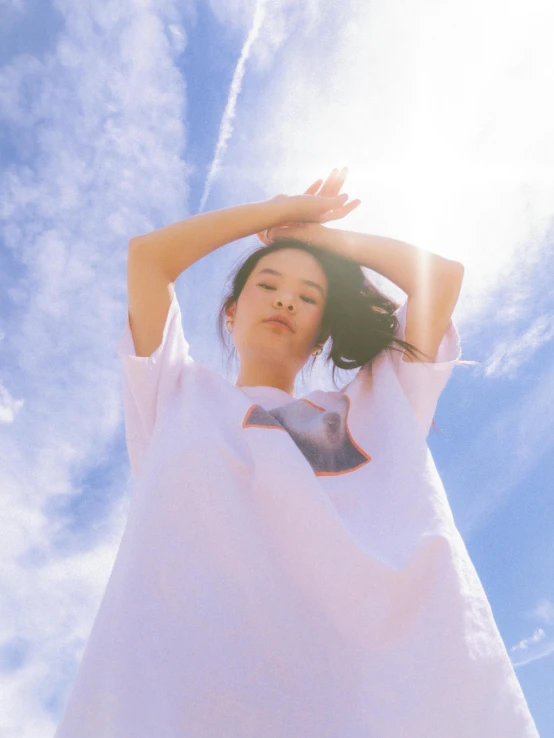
(175, 247)
(411, 268)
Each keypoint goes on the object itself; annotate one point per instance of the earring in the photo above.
(318, 350)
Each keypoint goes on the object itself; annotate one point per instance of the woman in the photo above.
(290, 565)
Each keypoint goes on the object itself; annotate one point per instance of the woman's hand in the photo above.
(319, 204)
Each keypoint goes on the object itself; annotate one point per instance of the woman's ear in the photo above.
(230, 312)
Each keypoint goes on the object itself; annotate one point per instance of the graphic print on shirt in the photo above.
(321, 434)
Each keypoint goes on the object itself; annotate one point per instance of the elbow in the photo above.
(133, 242)
(450, 284)
(459, 268)
(453, 274)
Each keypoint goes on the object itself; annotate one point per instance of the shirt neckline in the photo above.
(250, 390)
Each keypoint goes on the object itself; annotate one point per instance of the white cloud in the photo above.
(97, 129)
(536, 647)
(9, 406)
(505, 447)
(541, 643)
(523, 645)
(509, 355)
(544, 611)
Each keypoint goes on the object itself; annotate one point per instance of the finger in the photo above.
(263, 238)
(340, 212)
(341, 178)
(349, 207)
(328, 186)
(337, 201)
(330, 204)
(334, 201)
(312, 189)
(333, 189)
(338, 181)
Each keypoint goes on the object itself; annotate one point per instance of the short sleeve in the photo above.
(148, 381)
(423, 382)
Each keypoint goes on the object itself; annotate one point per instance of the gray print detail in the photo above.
(321, 434)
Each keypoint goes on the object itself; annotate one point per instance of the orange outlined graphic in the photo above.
(321, 433)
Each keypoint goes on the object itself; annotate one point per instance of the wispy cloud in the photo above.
(524, 644)
(533, 648)
(95, 137)
(544, 611)
(9, 406)
(541, 643)
(516, 436)
(508, 356)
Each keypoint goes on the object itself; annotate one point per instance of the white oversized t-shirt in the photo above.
(290, 567)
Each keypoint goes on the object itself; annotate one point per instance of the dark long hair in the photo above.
(358, 318)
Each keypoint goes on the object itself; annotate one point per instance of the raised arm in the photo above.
(431, 281)
(175, 247)
(156, 259)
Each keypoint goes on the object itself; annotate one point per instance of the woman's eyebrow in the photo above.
(306, 281)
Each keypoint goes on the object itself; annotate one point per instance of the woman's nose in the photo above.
(289, 303)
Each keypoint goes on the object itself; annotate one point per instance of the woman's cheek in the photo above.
(314, 323)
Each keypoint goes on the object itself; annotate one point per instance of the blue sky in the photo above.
(118, 118)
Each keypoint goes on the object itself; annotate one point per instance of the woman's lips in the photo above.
(278, 322)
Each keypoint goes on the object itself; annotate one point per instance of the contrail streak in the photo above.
(226, 127)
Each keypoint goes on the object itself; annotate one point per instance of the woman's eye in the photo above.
(308, 299)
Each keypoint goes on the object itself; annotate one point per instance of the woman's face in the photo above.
(294, 286)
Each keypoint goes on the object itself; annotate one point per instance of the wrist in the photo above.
(333, 240)
(279, 210)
